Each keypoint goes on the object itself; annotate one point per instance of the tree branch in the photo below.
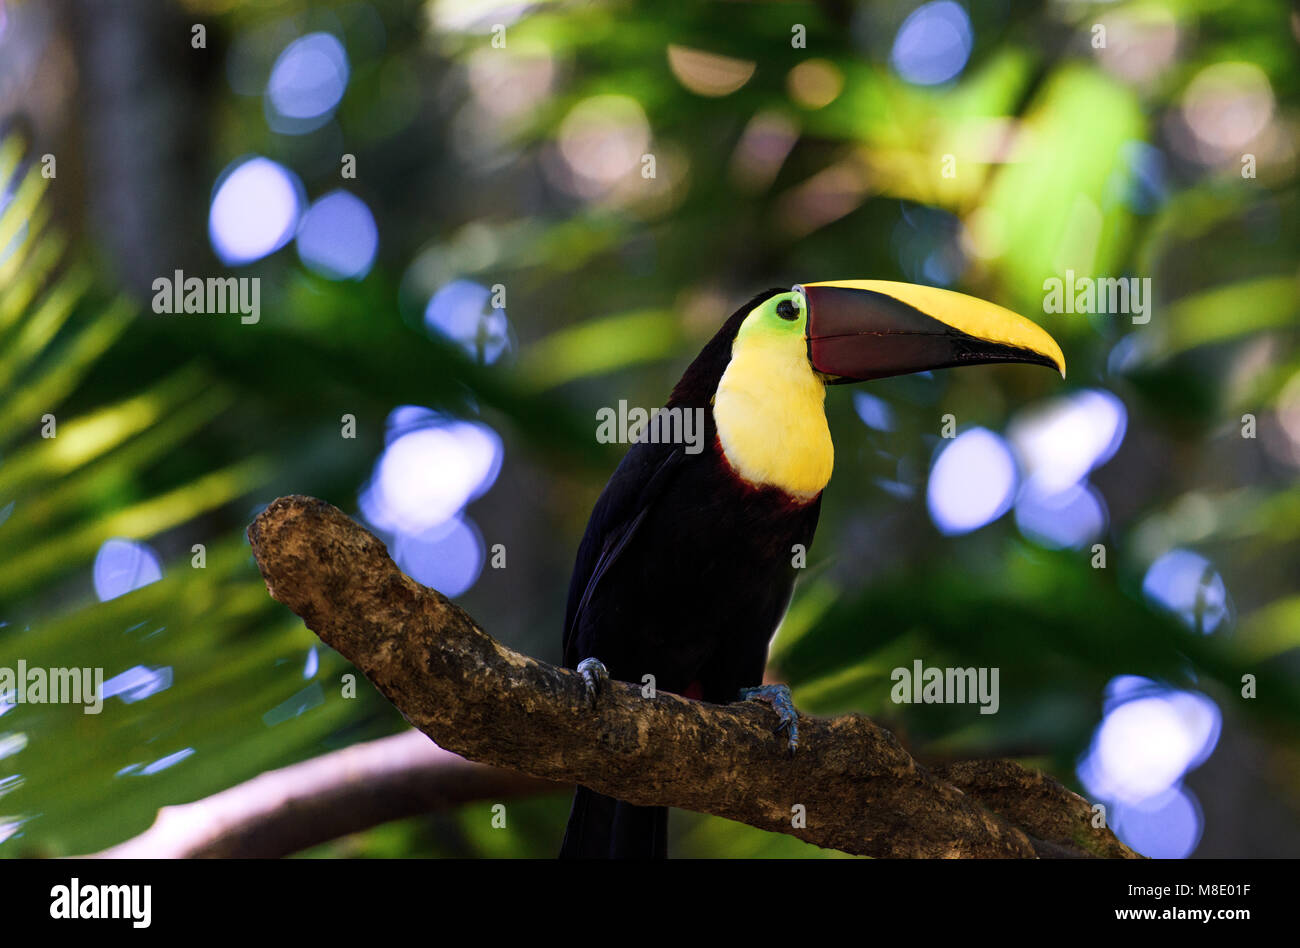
(285, 811)
(860, 791)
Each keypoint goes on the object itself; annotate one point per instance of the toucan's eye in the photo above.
(787, 310)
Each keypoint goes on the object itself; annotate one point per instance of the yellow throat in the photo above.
(771, 416)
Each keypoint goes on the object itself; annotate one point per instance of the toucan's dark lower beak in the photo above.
(871, 329)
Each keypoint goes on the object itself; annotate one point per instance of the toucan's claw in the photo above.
(595, 676)
(778, 696)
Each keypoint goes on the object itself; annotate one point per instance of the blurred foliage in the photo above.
(175, 430)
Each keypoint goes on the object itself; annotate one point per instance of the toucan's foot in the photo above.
(595, 676)
(778, 696)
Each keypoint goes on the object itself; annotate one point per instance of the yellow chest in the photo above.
(771, 417)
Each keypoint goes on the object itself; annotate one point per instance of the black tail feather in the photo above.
(601, 827)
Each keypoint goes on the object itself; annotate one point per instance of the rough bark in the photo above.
(860, 791)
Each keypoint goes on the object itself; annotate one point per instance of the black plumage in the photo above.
(684, 573)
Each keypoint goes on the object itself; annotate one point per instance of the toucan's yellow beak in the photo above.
(871, 329)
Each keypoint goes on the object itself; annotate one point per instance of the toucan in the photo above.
(687, 567)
